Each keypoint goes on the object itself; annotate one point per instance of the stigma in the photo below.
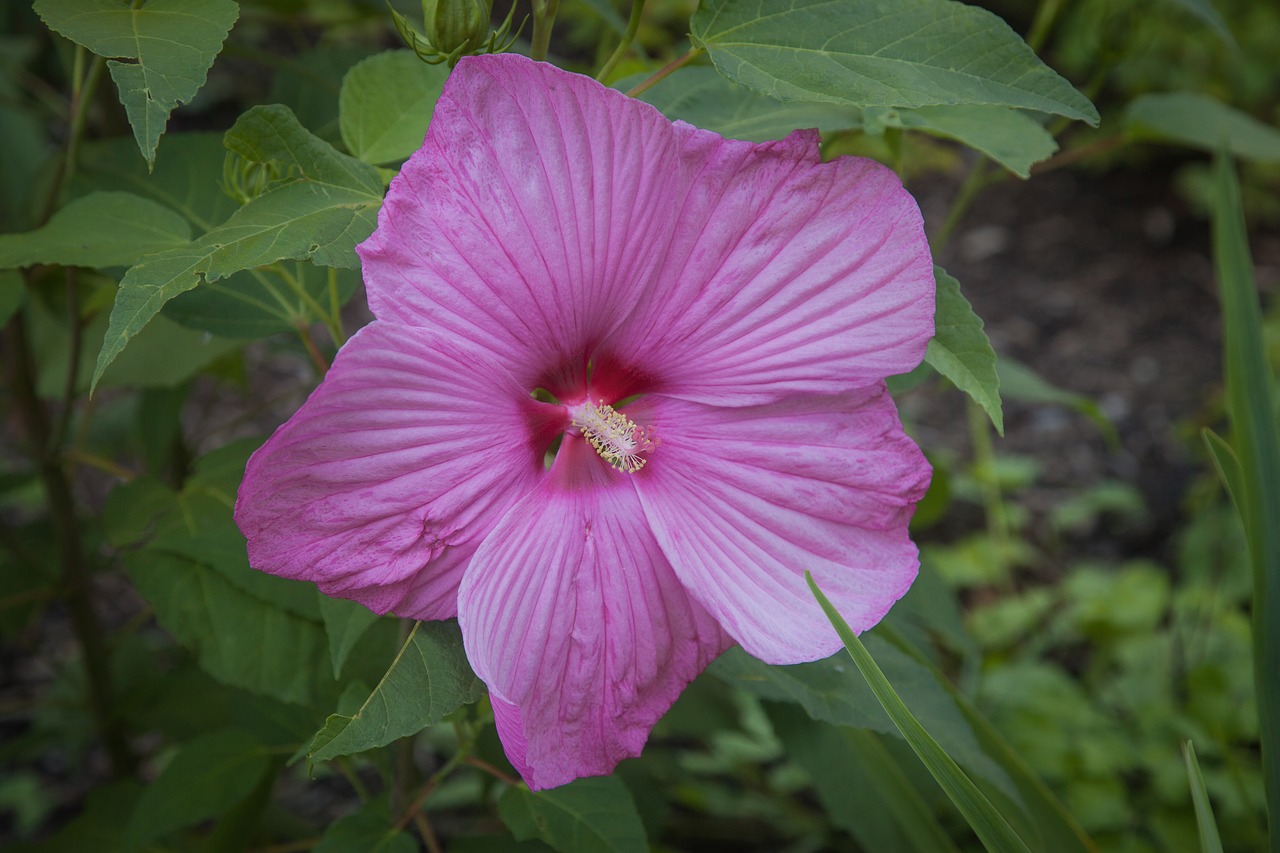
(613, 435)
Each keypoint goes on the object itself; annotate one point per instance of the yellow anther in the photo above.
(614, 436)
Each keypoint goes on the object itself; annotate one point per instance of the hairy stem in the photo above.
(633, 25)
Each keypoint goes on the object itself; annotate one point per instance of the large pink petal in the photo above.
(572, 615)
(784, 275)
(537, 206)
(744, 500)
(384, 483)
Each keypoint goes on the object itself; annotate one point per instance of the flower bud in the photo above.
(456, 26)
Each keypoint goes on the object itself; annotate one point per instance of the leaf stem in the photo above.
(317, 358)
(544, 18)
(633, 26)
(672, 66)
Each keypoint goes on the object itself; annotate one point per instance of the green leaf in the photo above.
(256, 304)
(831, 691)
(184, 178)
(172, 44)
(861, 787)
(992, 828)
(592, 815)
(1226, 464)
(386, 104)
(110, 229)
(12, 294)
(207, 776)
(1202, 122)
(1205, 821)
(1251, 406)
(345, 622)
(238, 638)
(326, 204)
(369, 830)
(1019, 382)
(703, 98)
(429, 679)
(163, 355)
(961, 351)
(1013, 139)
(1204, 10)
(881, 53)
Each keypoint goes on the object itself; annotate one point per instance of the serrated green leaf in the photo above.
(163, 355)
(429, 679)
(592, 815)
(254, 304)
(326, 204)
(1202, 122)
(345, 622)
(832, 691)
(880, 53)
(237, 638)
(704, 98)
(207, 776)
(1011, 138)
(184, 178)
(992, 828)
(106, 229)
(171, 45)
(386, 105)
(960, 350)
(369, 830)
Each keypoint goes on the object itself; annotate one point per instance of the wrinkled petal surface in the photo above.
(384, 483)
(538, 203)
(744, 500)
(574, 618)
(784, 275)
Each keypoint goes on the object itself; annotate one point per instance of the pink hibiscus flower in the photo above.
(711, 320)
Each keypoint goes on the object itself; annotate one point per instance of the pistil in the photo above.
(613, 435)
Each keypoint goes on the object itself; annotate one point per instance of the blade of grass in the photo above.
(1251, 409)
(1209, 840)
(992, 828)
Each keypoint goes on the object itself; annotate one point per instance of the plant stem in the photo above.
(75, 571)
(544, 18)
(984, 469)
(1046, 14)
(661, 74)
(402, 750)
(76, 330)
(82, 89)
(973, 183)
(633, 25)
